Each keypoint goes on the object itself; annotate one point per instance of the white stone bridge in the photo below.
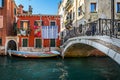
(107, 45)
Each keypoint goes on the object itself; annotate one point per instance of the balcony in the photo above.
(23, 32)
(68, 4)
(68, 24)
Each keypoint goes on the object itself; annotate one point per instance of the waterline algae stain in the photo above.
(91, 68)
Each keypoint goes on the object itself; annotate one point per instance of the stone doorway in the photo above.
(11, 45)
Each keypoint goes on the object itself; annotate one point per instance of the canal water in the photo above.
(92, 68)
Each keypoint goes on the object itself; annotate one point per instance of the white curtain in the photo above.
(49, 32)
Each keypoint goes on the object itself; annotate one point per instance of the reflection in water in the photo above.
(3, 61)
(12, 68)
(63, 70)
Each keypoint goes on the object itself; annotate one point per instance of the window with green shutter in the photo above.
(24, 25)
(0, 41)
(42, 23)
(118, 27)
(52, 23)
(38, 43)
(14, 11)
(25, 43)
(52, 42)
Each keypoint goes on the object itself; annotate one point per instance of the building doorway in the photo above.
(11, 45)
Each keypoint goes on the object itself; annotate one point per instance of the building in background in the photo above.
(8, 13)
(22, 30)
(75, 13)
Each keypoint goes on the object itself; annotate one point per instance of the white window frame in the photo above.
(27, 42)
(55, 42)
(53, 21)
(25, 21)
(94, 1)
(39, 21)
(35, 42)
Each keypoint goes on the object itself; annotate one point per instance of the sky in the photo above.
(40, 6)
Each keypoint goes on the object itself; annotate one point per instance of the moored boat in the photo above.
(27, 54)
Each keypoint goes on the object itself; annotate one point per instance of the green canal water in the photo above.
(92, 68)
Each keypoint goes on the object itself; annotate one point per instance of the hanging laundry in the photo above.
(49, 32)
(35, 27)
(37, 31)
(23, 32)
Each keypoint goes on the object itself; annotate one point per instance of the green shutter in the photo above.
(52, 23)
(52, 43)
(0, 41)
(25, 42)
(42, 23)
(118, 27)
(35, 23)
(21, 24)
(14, 11)
(28, 23)
(38, 43)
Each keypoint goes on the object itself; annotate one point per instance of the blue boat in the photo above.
(27, 54)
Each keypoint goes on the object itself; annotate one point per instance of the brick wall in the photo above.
(7, 11)
(46, 19)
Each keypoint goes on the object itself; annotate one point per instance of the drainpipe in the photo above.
(41, 29)
(76, 13)
(112, 17)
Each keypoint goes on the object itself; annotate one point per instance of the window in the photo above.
(14, 11)
(42, 23)
(37, 23)
(79, 10)
(52, 42)
(1, 3)
(25, 43)
(70, 15)
(118, 7)
(118, 27)
(52, 23)
(73, 15)
(38, 43)
(93, 7)
(0, 41)
(1, 21)
(80, 28)
(24, 24)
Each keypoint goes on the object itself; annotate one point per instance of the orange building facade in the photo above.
(38, 32)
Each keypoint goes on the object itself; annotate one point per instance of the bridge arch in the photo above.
(74, 43)
(106, 50)
(82, 50)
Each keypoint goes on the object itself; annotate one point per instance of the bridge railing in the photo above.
(99, 27)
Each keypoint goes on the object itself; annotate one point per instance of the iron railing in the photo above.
(98, 27)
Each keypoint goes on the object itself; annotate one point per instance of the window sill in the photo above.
(1, 7)
(118, 12)
(94, 12)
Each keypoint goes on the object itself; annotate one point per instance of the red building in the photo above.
(20, 30)
(8, 14)
(8, 11)
(38, 32)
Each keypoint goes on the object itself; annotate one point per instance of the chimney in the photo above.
(20, 9)
(30, 10)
